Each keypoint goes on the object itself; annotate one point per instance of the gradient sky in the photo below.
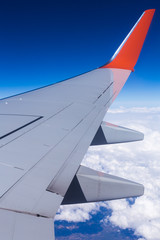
(42, 42)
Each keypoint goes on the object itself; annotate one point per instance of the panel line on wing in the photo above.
(19, 128)
(103, 92)
(41, 122)
(110, 99)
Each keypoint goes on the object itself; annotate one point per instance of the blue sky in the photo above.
(47, 41)
(43, 42)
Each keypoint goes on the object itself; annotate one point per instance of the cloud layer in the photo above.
(140, 162)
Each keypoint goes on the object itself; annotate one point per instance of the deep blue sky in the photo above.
(47, 41)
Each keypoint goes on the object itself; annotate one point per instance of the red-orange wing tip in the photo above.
(127, 54)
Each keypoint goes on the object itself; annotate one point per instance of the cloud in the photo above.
(140, 162)
(135, 110)
(78, 212)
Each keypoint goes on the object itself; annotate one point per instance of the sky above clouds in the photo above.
(43, 42)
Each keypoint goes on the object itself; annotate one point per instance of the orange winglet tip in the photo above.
(127, 54)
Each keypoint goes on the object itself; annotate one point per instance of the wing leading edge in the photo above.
(50, 132)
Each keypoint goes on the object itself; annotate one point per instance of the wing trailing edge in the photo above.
(91, 186)
(109, 134)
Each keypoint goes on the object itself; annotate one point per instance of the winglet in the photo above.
(127, 54)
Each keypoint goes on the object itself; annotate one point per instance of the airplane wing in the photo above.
(44, 135)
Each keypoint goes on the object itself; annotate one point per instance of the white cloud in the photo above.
(140, 162)
(77, 213)
(135, 110)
